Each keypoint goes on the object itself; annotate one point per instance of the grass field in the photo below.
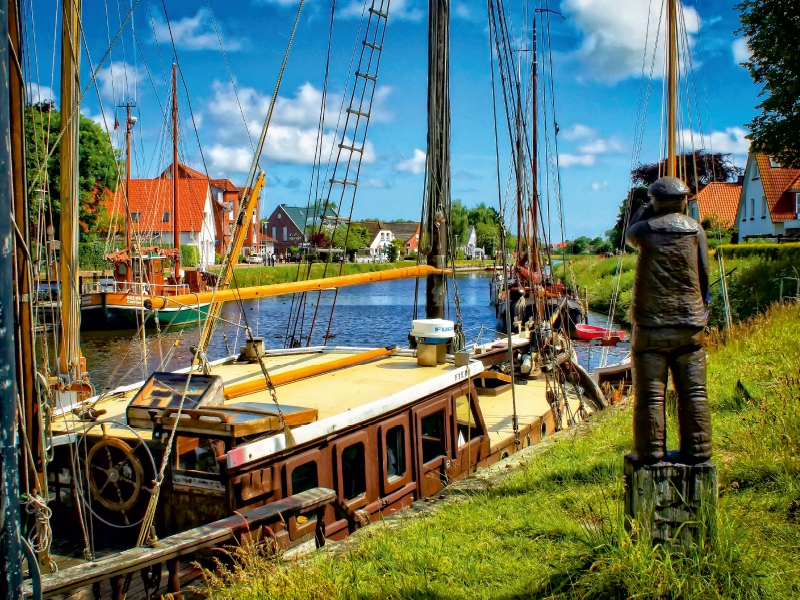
(554, 529)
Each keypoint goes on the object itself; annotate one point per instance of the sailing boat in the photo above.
(140, 271)
(532, 293)
(371, 428)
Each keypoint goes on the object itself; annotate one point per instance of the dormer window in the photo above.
(774, 163)
(135, 217)
(165, 217)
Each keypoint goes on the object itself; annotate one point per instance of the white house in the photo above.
(717, 201)
(381, 237)
(769, 205)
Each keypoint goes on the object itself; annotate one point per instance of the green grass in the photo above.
(553, 529)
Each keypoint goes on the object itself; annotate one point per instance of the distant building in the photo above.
(559, 246)
(152, 215)
(289, 226)
(717, 200)
(470, 249)
(227, 198)
(408, 233)
(769, 204)
(381, 236)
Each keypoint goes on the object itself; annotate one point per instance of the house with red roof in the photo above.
(717, 201)
(769, 203)
(151, 209)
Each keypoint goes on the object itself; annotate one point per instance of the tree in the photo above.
(488, 237)
(772, 28)
(459, 222)
(394, 249)
(579, 245)
(98, 165)
(709, 167)
(357, 238)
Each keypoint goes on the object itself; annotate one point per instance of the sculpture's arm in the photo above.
(703, 266)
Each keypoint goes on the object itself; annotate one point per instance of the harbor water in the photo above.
(377, 314)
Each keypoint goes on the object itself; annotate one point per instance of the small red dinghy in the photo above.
(592, 332)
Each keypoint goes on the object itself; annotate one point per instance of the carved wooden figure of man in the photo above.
(669, 313)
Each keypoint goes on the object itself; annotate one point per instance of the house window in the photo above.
(165, 217)
(274, 233)
(135, 217)
(354, 471)
(752, 208)
(285, 234)
(764, 207)
(279, 215)
(395, 452)
(433, 436)
(797, 205)
(774, 163)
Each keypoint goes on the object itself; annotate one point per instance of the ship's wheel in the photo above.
(114, 471)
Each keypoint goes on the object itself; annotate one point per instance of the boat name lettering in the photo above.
(133, 300)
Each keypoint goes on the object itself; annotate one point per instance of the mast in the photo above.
(533, 246)
(176, 232)
(438, 163)
(129, 122)
(10, 564)
(69, 346)
(672, 84)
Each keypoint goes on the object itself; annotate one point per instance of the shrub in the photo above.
(190, 256)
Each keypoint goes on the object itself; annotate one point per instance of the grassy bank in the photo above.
(256, 275)
(554, 529)
(752, 287)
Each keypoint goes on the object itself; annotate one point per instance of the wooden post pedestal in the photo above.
(674, 503)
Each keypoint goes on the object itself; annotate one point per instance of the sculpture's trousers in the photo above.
(655, 353)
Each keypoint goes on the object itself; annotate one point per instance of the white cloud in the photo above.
(403, 10)
(599, 185)
(38, 93)
(615, 32)
(293, 131)
(415, 164)
(194, 33)
(601, 146)
(120, 81)
(741, 51)
(729, 141)
(577, 132)
(464, 11)
(374, 183)
(570, 160)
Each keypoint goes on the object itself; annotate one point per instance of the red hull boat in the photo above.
(592, 332)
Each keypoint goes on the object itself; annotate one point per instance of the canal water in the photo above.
(377, 314)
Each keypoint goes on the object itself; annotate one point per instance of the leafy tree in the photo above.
(394, 249)
(603, 247)
(483, 214)
(98, 165)
(357, 239)
(459, 222)
(772, 28)
(488, 235)
(579, 245)
(709, 167)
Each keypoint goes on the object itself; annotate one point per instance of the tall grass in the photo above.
(554, 529)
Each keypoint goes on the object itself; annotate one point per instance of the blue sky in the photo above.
(597, 59)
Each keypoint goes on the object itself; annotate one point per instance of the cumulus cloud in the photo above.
(38, 93)
(415, 164)
(599, 185)
(120, 81)
(741, 51)
(588, 145)
(615, 33)
(194, 33)
(571, 160)
(293, 131)
(729, 141)
(404, 10)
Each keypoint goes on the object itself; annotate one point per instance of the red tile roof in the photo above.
(183, 172)
(151, 198)
(720, 199)
(777, 181)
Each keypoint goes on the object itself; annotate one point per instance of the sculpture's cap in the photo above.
(668, 188)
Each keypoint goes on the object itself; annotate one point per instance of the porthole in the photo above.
(544, 430)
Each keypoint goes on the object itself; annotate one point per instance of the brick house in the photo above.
(408, 233)
(289, 226)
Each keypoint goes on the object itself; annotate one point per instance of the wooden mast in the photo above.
(533, 246)
(176, 232)
(672, 84)
(69, 346)
(128, 225)
(10, 551)
(438, 163)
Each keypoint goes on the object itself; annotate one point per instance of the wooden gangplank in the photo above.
(169, 550)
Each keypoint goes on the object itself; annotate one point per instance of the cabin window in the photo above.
(304, 477)
(543, 431)
(466, 423)
(199, 456)
(354, 471)
(135, 216)
(395, 452)
(433, 436)
(165, 217)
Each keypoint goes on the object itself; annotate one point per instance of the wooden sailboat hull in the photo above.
(106, 310)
